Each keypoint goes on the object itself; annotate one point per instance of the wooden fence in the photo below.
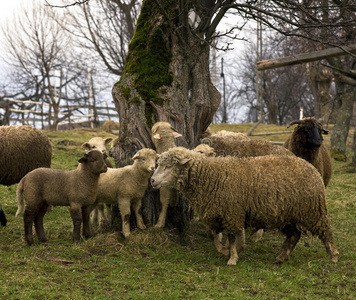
(37, 114)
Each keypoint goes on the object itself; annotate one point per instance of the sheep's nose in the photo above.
(152, 180)
(153, 168)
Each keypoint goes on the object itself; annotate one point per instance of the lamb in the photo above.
(23, 148)
(228, 134)
(163, 135)
(75, 188)
(306, 142)
(99, 143)
(263, 192)
(126, 186)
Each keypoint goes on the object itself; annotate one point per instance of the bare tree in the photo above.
(39, 51)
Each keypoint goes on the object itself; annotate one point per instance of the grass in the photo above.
(150, 265)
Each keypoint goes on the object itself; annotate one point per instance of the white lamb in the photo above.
(126, 186)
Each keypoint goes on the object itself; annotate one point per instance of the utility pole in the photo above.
(259, 100)
(224, 116)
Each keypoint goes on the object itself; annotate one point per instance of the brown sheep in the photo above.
(306, 142)
(23, 148)
(230, 193)
(75, 188)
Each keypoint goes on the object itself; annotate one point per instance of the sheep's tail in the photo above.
(19, 199)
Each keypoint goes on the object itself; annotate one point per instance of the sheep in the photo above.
(75, 188)
(230, 193)
(99, 143)
(126, 186)
(163, 135)
(243, 148)
(23, 148)
(230, 134)
(223, 145)
(306, 142)
(3, 219)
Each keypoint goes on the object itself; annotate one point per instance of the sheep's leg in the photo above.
(233, 252)
(292, 237)
(39, 223)
(76, 214)
(101, 215)
(94, 216)
(257, 235)
(240, 241)
(87, 230)
(29, 217)
(124, 207)
(328, 239)
(164, 197)
(137, 207)
(218, 243)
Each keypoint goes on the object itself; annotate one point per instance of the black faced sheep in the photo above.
(76, 188)
(306, 142)
(162, 135)
(126, 187)
(23, 148)
(230, 193)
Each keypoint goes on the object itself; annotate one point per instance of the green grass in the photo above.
(150, 265)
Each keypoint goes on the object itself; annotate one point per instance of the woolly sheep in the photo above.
(126, 186)
(306, 142)
(75, 188)
(99, 143)
(163, 135)
(23, 148)
(262, 192)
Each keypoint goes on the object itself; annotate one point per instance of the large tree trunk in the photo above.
(346, 96)
(166, 78)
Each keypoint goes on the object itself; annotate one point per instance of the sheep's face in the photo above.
(145, 159)
(97, 143)
(94, 161)
(205, 149)
(170, 166)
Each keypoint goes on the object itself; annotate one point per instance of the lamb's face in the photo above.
(145, 159)
(94, 161)
(97, 143)
(204, 149)
(165, 175)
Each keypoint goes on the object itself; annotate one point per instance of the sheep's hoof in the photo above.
(232, 262)
(158, 225)
(335, 259)
(44, 240)
(278, 261)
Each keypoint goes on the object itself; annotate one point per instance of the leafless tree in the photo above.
(40, 54)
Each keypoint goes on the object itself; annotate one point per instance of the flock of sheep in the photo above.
(231, 182)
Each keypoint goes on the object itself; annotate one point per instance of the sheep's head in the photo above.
(94, 161)
(205, 149)
(145, 159)
(97, 143)
(308, 132)
(163, 135)
(170, 166)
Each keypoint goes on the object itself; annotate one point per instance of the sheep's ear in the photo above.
(176, 134)
(155, 129)
(184, 161)
(107, 140)
(136, 156)
(157, 136)
(86, 146)
(83, 159)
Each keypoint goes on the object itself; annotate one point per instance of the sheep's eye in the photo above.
(143, 159)
(93, 147)
(201, 152)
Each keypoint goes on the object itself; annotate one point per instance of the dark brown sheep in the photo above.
(306, 142)
(23, 148)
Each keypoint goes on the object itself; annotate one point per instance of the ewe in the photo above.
(230, 193)
(76, 188)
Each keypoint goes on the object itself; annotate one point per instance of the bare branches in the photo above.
(67, 5)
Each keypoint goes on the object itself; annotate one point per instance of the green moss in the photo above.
(338, 156)
(149, 57)
(126, 92)
(150, 116)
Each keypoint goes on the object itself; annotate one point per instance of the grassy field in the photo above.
(150, 265)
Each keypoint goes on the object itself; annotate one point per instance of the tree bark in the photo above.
(166, 78)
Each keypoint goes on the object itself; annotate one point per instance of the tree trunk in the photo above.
(166, 78)
(346, 95)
